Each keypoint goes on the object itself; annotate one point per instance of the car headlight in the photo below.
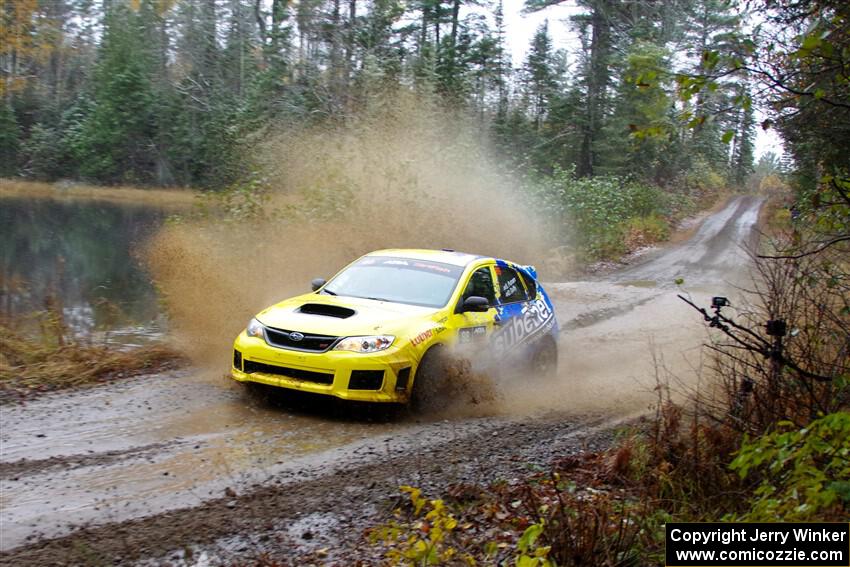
(365, 344)
(254, 329)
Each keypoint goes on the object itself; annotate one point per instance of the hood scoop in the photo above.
(325, 310)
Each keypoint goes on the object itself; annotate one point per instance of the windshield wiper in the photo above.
(377, 299)
(329, 292)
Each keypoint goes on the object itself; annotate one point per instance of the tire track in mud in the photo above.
(592, 317)
(13, 470)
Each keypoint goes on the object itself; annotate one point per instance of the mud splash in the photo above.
(401, 175)
(406, 175)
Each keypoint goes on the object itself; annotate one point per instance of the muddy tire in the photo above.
(430, 382)
(544, 359)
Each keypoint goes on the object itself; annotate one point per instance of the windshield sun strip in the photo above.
(451, 271)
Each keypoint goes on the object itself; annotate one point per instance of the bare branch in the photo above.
(821, 248)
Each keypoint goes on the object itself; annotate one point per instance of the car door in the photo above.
(474, 328)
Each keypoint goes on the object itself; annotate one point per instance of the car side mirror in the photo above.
(317, 283)
(476, 304)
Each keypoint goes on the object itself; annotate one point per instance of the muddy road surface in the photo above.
(186, 469)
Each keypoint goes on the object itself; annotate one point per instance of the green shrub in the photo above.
(805, 472)
(645, 230)
(598, 213)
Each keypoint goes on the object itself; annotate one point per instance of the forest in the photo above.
(176, 93)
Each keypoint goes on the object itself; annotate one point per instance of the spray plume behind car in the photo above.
(403, 176)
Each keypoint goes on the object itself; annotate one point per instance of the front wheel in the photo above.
(544, 359)
(430, 382)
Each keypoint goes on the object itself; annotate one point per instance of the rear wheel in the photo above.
(544, 359)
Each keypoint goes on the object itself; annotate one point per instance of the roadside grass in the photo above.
(50, 359)
(580, 512)
(177, 198)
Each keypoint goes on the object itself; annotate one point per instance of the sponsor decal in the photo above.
(422, 337)
(410, 264)
(425, 335)
(434, 267)
(535, 318)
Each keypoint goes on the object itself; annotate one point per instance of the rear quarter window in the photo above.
(530, 285)
(511, 287)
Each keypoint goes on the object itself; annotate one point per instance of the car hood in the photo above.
(341, 316)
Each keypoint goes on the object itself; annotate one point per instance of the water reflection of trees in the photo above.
(81, 252)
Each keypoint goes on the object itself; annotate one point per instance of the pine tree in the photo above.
(538, 75)
(114, 144)
(712, 33)
(9, 139)
(597, 41)
(503, 62)
(637, 137)
(742, 157)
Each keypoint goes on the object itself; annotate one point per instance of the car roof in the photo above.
(446, 256)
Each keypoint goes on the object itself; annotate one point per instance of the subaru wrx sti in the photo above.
(376, 330)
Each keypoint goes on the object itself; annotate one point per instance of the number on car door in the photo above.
(474, 327)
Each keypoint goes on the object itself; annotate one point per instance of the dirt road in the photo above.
(183, 468)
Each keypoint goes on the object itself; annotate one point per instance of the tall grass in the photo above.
(52, 357)
(167, 198)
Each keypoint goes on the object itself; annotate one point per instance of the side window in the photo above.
(480, 284)
(530, 285)
(510, 286)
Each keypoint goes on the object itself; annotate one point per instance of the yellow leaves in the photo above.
(424, 541)
(431, 535)
(160, 6)
(526, 561)
(415, 498)
(16, 24)
(25, 35)
(12, 84)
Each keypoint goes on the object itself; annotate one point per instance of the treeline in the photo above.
(177, 92)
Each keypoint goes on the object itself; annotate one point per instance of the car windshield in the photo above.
(401, 280)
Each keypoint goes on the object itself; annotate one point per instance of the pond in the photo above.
(83, 257)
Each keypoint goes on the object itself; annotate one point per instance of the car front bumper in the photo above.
(383, 376)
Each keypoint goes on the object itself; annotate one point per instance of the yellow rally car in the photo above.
(377, 330)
